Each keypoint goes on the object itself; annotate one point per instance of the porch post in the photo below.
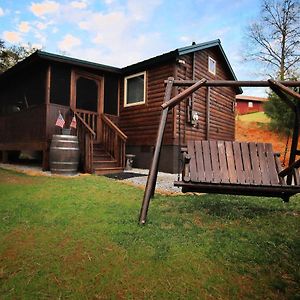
(45, 162)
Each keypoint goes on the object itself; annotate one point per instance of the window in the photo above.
(211, 65)
(135, 89)
(250, 104)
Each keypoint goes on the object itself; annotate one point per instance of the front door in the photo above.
(87, 98)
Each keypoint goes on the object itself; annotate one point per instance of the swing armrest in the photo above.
(289, 170)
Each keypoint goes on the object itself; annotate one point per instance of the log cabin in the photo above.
(117, 109)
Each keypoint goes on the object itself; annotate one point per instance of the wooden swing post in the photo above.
(167, 105)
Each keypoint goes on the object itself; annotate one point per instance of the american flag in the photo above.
(73, 122)
(60, 122)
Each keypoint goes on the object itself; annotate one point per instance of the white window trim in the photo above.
(250, 104)
(125, 89)
(215, 63)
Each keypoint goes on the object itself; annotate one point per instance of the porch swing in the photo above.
(230, 167)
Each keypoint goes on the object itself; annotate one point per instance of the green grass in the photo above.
(259, 117)
(79, 239)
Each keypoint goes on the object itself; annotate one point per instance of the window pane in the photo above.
(211, 65)
(135, 89)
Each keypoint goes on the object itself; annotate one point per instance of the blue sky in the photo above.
(122, 32)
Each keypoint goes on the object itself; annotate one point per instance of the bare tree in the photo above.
(9, 56)
(274, 38)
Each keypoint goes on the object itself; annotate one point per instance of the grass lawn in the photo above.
(79, 239)
(258, 117)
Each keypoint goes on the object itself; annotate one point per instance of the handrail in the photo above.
(113, 126)
(86, 136)
(86, 111)
(113, 140)
(85, 124)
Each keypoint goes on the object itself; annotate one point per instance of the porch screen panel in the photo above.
(86, 94)
(60, 85)
(111, 95)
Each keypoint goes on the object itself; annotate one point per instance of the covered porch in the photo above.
(35, 91)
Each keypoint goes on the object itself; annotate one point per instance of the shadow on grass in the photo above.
(231, 207)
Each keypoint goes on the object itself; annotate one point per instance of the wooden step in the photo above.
(102, 157)
(105, 164)
(104, 171)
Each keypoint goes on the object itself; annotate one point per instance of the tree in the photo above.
(274, 39)
(9, 56)
(282, 116)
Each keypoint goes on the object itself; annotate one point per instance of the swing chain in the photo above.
(179, 142)
(286, 150)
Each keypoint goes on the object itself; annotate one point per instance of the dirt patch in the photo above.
(17, 241)
(11, 179)
(253, 132)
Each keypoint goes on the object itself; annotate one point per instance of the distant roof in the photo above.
(131, 68)
(251, 98)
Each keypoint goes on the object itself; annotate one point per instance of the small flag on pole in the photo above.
(73, 123)
(60, 122)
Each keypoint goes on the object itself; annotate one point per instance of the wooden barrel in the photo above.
(64, 154)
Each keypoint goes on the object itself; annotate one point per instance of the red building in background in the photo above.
(249, 104)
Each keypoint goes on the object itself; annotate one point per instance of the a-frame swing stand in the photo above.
(225, 167)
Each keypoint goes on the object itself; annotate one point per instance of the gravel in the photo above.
(164, 184)
(164, 180)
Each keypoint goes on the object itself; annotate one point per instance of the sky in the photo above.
(123, 32)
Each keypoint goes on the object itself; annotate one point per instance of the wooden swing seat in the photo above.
(238, 168)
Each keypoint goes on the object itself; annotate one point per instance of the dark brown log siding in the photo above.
(222, 122)
(140, 122)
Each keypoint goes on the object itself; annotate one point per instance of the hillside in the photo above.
(254, 127)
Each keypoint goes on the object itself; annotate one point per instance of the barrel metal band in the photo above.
(64, 170)
(66, 141)
(65, 148)
(64, 163)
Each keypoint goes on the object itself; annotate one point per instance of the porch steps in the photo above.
(103, 163)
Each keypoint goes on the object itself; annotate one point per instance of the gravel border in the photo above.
(164, 180)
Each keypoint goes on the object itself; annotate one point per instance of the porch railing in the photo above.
(89, 117)
(86, 136)
(113, 140)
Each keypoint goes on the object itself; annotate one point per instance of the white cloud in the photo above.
(41, 26)
(79, 4)
(37, 46)
(24, 27)
(141, 10)
(1, 12)
(46, 7)
(69, 42)
(12, 36)
(98, 39)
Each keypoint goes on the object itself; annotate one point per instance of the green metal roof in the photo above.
(168, 56)
(178, 52)
(77, 62)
